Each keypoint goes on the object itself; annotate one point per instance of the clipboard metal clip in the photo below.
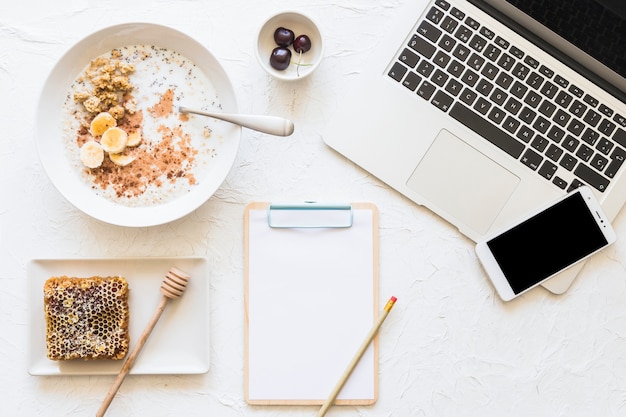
(309, 215)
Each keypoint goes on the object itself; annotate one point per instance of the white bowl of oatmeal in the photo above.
(109, 134)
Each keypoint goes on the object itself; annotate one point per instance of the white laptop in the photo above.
(462, 113)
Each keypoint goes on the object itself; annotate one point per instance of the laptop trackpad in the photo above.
(462, 182)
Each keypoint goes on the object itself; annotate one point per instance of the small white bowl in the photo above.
(300, 25)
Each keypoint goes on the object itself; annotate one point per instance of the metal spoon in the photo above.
(266, 124)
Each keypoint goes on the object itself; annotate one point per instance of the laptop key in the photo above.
(568, 162)
(439, 78)
(532, 99)
(563, 99)
(457, 13)
(561, 118)
(547, 170)
(547, 108)
(482, 106)
(531, 159)
(592, 118)
(606, 127)
(478, 43)
(449, 24)
(443, 4)
(576, 91)
(504, 80)
(476, 61)
(425, 68)
(491, 52)
(500, 96)
(549, 90)
(561, 81)
(554, 152)
(534, 80)
(463, 33)
(484, 87)
(461, 52)
(441, 59)
(434, 15)
(511, 124)
(517, 53)
(483, 127)
(429, 31)
(468, 96)
(496, 115)
(592, 101)
(456, 68)
(590, 136)
(577, 108)
(559, 182)
(411, 81)
(520, 71)
(409, 58)
(620, 137)
(422, 46)
(607, 111)
(397, 71)
(584, 153)
(598, 162)
(506, 62)
(570, 143)
(472, 23)
(527, 115)
(447, 43)
(591, 177)
(442, 101)
(525, 133)
(426, 90)
(617, 160)
(546, 71)
(604, 145)
(512, 106)
(487, 33)
(454, 87)
(470, 78)
(529, 60)
(576, 127)
(502, 43)
(539, 143)
(541, 124)
(556, 134)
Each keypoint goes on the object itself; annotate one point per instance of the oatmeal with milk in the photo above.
(123, 131)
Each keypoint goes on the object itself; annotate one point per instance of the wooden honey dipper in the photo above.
(172, 287)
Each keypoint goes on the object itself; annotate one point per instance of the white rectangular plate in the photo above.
(179, 343)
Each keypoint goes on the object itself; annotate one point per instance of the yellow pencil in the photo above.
(357, 358)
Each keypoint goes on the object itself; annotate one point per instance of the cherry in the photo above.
(283, 36)
(281, 57)
(302, 44)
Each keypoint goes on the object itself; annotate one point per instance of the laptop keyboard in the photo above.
(511, 99)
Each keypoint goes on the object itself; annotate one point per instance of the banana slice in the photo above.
(114, 140)
(121, 159)
(134, 138)
(101, 123)
(91, 154)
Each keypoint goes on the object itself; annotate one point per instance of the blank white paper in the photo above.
(310, 306)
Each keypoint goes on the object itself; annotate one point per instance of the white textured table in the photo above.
(450, 346)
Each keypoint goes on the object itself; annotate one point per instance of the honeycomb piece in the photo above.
(86, 317)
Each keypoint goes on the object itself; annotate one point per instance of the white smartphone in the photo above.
(545, 243)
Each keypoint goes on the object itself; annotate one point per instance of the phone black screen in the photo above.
(547, 243)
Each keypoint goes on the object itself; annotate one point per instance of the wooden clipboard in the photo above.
(311, 295)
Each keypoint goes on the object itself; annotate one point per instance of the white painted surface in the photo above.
(449, 348)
